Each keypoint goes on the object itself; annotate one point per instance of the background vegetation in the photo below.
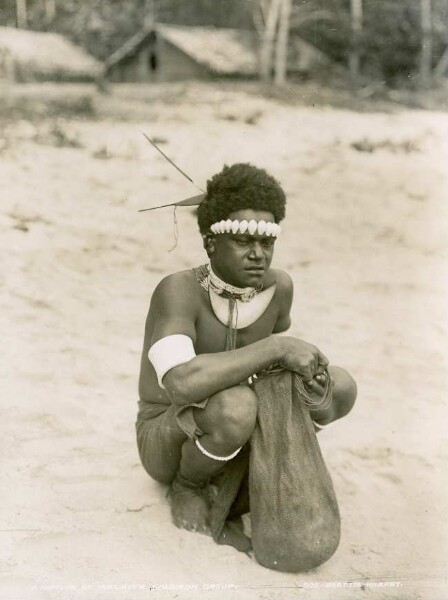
(389, 45)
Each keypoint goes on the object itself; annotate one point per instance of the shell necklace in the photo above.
(217, 289)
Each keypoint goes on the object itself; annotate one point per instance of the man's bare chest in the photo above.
(211, 332)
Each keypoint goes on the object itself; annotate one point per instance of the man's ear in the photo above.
(209, 242)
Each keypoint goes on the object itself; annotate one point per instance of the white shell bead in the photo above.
(261, 227)
(252, 226)
(243, 226)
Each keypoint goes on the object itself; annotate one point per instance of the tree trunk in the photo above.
(147, 13)
(259, 15)
(281, 56)
(442, 65)
(267, 41)
(354, 57)
(50, 10)
(7, 66)
(426, 49)
(21, 14)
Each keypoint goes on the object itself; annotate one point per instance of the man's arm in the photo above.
(285, 291)
(173, 311)
(174, 308)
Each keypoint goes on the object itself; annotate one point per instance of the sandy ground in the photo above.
(365, 242)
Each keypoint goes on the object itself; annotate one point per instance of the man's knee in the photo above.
(344, 391)
(230, 414)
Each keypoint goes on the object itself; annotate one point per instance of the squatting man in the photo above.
(209, 330)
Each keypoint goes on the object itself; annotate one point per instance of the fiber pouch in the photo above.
(295, 518)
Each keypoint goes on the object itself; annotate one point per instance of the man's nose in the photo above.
(256, 251)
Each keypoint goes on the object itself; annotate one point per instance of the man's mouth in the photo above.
(255, 269)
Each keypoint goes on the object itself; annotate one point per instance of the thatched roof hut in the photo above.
(225, 52)
(169, 52)
(164, 52)
(27, 56)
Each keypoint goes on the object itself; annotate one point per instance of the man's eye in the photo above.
(268, 243)
(241, 242)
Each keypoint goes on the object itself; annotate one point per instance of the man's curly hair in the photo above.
(238, 187)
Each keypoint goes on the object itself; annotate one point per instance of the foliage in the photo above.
(220, 13)
(391, 39)
(390, 43)
(99, 25)
(102, 26)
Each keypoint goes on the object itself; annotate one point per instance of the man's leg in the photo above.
(227, 423)
(344, 396)
(160, 442)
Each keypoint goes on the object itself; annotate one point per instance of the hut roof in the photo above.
(47, 55)
(129, 47)
(223, 51)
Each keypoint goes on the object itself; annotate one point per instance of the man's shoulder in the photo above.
(283, 281)
(284, 293)
(174, 307)
(181, 280)
(176, 286)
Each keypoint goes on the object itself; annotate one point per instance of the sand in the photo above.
(365, 243)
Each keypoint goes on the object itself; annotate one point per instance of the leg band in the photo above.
(210, 455)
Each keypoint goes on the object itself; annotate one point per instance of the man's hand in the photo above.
(316, 387)
(302, 357)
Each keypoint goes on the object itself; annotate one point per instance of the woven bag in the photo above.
(295, 518)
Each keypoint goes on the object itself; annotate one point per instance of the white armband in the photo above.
(169, 352)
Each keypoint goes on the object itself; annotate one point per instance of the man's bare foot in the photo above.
(189, 506)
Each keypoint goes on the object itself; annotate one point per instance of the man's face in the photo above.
(242, 259)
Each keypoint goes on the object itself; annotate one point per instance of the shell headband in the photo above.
(261, 227)
(251, 227)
